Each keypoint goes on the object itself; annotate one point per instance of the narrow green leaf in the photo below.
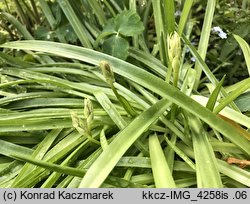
(77, 25)
(245, 85)
(246, 50)
(52, 179)
(227, 112)
(159, 26)
(21, 28)
(180, 153)
(153, 64)
(169, 17)
(13, 61)
(50, 166)
(184, 15)
(57, 153)
(205, 34)
(35, 124)
(98, 10)
(39, 152)
(110, 109)
(7, 149)
(213, 98)
(225, 147)
(48, 13)
(205, 160)
(162, 175)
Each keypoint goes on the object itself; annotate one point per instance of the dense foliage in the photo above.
(110, 93)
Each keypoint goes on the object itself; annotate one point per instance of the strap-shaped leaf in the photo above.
(161, 171)
(205, 160)
(245, 49)
(144, 78)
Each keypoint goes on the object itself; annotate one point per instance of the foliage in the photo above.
(125, 24)
(124, 94)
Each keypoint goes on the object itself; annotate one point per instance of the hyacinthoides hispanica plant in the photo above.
(72, 116)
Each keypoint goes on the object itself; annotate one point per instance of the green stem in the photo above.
(126, 105)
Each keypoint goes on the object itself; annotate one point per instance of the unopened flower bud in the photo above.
(174, 54)
(107, 72)
(174, 46)
(88, 111)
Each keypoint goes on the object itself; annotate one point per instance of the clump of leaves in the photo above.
(116, 32)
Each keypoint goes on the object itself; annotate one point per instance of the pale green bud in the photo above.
(174, 54)
(77, 123)
(88, 111)
(107, 72)
(174, 46)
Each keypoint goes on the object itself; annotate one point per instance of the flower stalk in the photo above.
(110, 79)
(174, 55)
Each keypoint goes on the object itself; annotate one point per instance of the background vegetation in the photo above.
(133, 93)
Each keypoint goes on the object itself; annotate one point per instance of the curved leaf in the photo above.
(246, 50)
(140, 76)
(161, 171)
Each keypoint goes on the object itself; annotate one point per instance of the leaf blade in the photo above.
(161, 171)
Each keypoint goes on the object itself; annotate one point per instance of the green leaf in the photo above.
(14, 22)
(7, 149)
(43, 33)
(39, 152)
(116, 46)
(205, 68)
(161, 171)
(76, 23)
(169, 9)
(243, 102)
(68, 33)
(110, 109)
(205, 34)
(126, 23)
(184, 16)
(246, 50)
(51, 166)
(213, 98)
(205, 160)
(244, 85)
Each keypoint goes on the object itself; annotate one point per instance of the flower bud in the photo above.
(88, 111)
(174, 54)
(174, 46)
(107, 72)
